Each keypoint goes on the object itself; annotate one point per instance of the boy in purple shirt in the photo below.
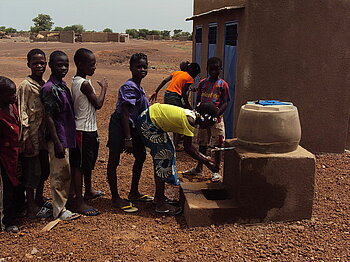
(123, 136)
(59, 113)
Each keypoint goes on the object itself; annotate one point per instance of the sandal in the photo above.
(168, 201)
(142, 198)
(90, 212)
(192, 172)
(170, 212)
(68, 215)
(129, 208)
(97, 194)
(48, 205)
(44, 212)
(215, 177)
(12, 229)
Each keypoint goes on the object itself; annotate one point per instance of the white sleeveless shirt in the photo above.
(85, 112)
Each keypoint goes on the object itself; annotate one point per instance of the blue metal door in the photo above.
(212, 39)
(197, 59)
(230, 57)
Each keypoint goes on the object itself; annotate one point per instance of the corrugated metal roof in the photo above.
(216, 10)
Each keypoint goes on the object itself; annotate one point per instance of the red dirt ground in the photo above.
(146, 236)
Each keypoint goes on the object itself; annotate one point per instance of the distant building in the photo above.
(293, 50)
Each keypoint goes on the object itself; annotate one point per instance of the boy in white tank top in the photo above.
(84, 156)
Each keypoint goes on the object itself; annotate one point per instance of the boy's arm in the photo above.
(23, 95)
(225, 98)
(185, 89)
(51, 107)
(194, 153)
(222, 109)
(87, 90)
(124, 117)
(153, 97)
(59, 150)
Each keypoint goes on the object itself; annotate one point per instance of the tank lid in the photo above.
(269, 105)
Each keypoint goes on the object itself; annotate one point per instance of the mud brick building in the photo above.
(291, 50)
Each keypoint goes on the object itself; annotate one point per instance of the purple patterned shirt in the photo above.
(134, 95)
(58, 102)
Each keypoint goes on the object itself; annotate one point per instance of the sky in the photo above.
(100, 14)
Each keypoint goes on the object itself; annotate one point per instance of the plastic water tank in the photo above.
(269, 126)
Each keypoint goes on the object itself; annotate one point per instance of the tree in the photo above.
(75, 28)
(10, 30)
(154, 32)
(177, 32)
(134, 33)
(143, 33)
(108, 30)
(58, 28)
(165, 33)
(41, 23)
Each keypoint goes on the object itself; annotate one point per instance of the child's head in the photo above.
(193, 69)
(206, 113)
(85, 61)
(184, 65)
(36, 61)
(139, 65)
(59, 64)
(8, 91)
(214, 67)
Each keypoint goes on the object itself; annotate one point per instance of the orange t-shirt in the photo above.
(179, 79)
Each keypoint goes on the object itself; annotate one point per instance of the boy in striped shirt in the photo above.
(215, 90)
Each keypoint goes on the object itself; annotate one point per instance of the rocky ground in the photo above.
(146, 236)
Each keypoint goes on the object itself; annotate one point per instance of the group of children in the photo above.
(50, 131)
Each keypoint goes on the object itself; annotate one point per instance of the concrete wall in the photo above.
(67, 37)
(292, 51)
(94, 37)
(113, 37)
(124, 38)
(153, 37)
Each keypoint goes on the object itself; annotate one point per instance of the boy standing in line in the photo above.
(215, 90)
(124, 137)
(9, 149)
(84, 156)
(59, 112)
(34, 156)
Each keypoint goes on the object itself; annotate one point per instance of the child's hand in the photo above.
(103, 83)
(59, 150)
(153, 97)
(28, 147)
(128, 147)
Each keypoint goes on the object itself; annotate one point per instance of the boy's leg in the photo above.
(161, 205)
(77, 182)
(217, 140)
(113, 162)
(31, 175)
(9, 218)
(90, 146)
(1, 203)
(140, 157)
(60, 179)
(45, 172)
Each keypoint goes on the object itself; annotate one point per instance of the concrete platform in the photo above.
(200, 211)
(271, 187)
